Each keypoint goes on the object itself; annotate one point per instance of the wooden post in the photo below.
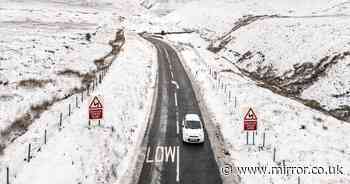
(61, 117)
(69, 110)
(29, 148)
(229, 96)
(263, 139)
(7, 175)
(253, 138)
(247, 137)
(45, 136)
(76, 102)
(235, 101)
(88, 90)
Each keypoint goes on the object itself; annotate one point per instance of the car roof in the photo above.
(192, 117)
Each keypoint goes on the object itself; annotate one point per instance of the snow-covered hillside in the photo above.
(76, 153)
(297, 49)
(288, 60)
(301, 136)
(280, 58)
(48, 49)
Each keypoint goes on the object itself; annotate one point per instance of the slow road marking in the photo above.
(162, 154)
(165, 154)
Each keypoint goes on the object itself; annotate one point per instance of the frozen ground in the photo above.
(301, 136)
(48, 48)
(77, 154)
(297, 49)
(277, 42)
(47, 52)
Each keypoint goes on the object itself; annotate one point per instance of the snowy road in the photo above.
(168, 159)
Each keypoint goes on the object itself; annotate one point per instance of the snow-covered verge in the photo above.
(300, 135)
(295, 48)
(76, 153)
(48, 49)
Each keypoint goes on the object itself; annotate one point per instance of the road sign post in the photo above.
(95, 110)
(250, 123)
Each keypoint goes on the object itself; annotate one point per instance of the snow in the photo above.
(40, 39)
(321, 143)
(301, 32)
(306, 32)
(77, 154)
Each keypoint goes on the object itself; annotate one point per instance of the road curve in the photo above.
(168, 160)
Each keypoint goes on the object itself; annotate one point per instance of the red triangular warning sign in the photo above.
(250, 116)
(95, 103)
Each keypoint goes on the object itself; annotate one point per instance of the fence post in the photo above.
(45, 136)
(247, 137)
(7, 175)
(229, 96)
(69, 110)
(263, 139)
(235, 101)
(253, 138)
(88, 90)
(29, 148)
(61, 117)
(76, 102)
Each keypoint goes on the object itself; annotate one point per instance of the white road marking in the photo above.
(168, 59)
(159, 156)
(175, 99)
(176, 84)
(148, 160)
(177, 165)
(162, 154)
(172, 75)
(170, 151)
(177, 123)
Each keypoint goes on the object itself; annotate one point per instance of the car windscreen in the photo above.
(193, 125)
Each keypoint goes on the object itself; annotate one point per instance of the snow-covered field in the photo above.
(291, 42)
(301, 136)
(301, 47)
(77, 154)
(48, 48)
(47, 52)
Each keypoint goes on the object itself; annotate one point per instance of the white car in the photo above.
(192, 129)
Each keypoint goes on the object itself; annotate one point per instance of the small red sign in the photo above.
(250, 121)
(95, 109)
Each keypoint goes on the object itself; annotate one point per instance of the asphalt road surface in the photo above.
(169, 160)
